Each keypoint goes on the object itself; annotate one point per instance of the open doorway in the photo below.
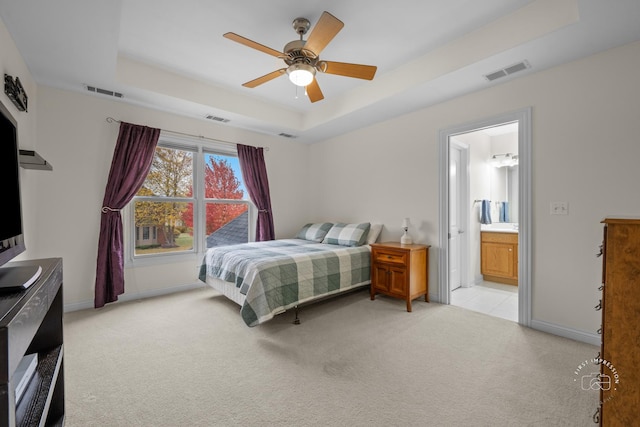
(479, 200)
(483, 220)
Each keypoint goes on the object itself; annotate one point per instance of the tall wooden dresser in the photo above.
(620, 352)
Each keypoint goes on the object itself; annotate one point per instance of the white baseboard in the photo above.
(136, 296)
(565, 332)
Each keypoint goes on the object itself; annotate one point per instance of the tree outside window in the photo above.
(166, 203)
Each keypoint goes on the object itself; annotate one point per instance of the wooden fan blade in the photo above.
(358, 71)
(324, 31)
(254, 45)
(313, 91)
(267, 77)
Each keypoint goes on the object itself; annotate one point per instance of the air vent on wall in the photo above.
(104, 91)
(287, 135)
(217, 119)
(507, 71)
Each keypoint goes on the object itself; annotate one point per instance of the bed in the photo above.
(268, 278)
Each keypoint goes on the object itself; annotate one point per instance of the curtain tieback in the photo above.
(263, 211)
(106, 209)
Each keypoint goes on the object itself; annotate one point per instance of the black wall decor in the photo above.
(15, 92)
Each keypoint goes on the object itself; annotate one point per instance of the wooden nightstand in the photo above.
(400, 271)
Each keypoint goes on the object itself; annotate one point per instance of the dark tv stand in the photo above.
(31, 322)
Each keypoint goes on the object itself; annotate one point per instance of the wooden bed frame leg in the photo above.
(296, 321)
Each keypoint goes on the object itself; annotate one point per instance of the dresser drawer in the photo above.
(387, 256)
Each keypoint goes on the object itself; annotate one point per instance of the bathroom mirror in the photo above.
(504, 188)
(503, 170)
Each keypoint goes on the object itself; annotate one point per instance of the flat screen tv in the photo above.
(11, 231)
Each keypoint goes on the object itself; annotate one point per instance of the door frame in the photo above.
(523, 117)
(463, 211)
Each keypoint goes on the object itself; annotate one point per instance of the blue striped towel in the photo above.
(504, 212)
(485, 212)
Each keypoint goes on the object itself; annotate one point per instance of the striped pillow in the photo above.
(348, 234)
(314, 232)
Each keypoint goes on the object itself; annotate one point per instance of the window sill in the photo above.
(162, 259)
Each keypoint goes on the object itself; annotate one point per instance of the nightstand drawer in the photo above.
(389, 257)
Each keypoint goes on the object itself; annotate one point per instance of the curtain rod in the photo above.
(112, 120)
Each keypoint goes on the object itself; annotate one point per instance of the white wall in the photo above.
(584, 151)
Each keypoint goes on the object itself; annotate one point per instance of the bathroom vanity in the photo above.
(499, 253)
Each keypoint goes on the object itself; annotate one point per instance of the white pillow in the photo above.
(374, 232)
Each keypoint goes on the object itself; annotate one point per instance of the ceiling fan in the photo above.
(302, 57)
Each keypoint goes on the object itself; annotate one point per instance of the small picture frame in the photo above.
(14, 90)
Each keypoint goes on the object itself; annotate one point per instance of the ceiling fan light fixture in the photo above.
(301, 74)
(302, 57)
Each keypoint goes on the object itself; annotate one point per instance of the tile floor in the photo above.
(491, 298)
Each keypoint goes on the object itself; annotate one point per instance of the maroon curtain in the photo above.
(131, 162)
(254, 173)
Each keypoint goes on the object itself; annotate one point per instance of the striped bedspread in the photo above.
(279, 274)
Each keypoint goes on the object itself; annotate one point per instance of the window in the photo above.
(193, 198)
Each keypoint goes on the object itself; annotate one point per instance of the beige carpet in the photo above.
(187, 359)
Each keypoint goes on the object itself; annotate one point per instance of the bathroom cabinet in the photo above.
(499, 257)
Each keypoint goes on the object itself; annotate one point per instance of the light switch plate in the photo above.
(559, 208)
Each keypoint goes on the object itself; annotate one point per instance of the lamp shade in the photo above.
(405, 223)
(301, 74)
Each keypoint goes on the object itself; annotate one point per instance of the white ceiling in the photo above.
(171, 55)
